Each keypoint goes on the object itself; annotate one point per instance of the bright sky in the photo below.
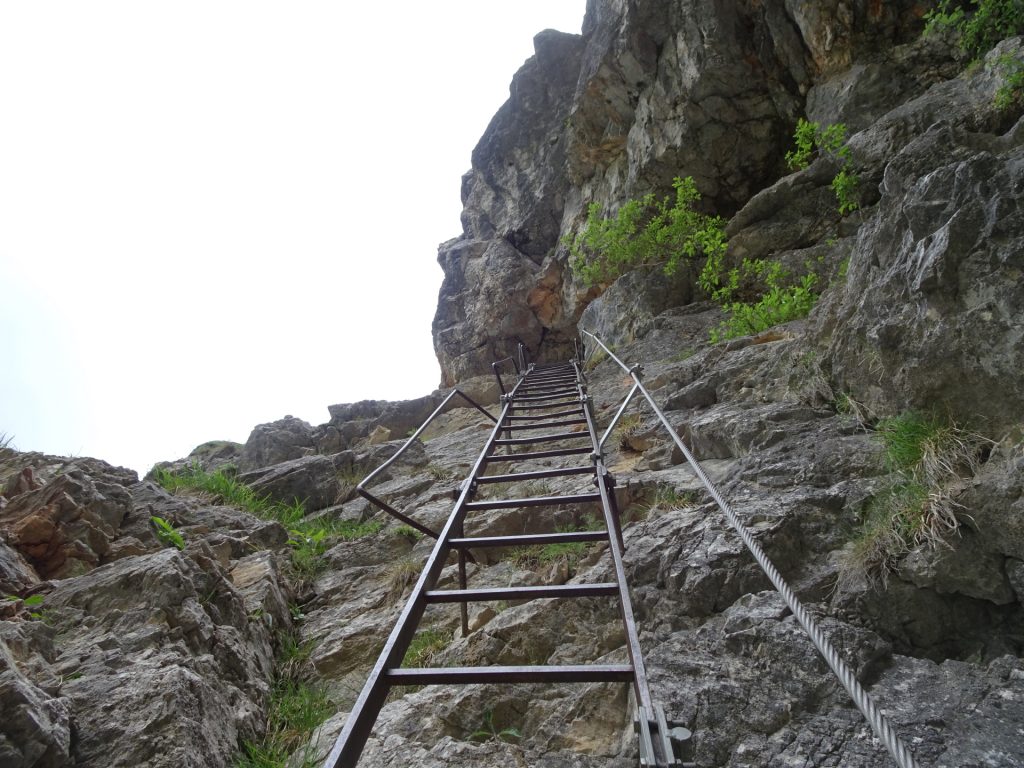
(216, 213)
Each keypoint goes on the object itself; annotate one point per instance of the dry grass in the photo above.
(929, 459)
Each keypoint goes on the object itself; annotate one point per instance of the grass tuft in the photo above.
(310, 537)
(928, 458)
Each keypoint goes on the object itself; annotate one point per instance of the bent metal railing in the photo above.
(878, 721)
(361, 488)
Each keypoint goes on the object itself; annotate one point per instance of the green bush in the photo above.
(646, 231)
(775, 296)
(1011, 92)
(980, 28)
(830, 141)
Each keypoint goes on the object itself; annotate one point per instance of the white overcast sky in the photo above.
(213, 214)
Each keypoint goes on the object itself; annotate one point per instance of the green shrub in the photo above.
(645, 231)
(778, 297)
(1011, 93)
(988, 22)
(830, 141)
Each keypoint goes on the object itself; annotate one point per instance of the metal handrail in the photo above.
(878, 721)
(361, 487)
(496, 365)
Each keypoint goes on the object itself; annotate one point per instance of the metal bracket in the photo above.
(663, 744)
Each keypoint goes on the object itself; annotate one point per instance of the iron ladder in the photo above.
(547, 415)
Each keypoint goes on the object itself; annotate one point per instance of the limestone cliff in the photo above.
(119, 648)
(650, 91)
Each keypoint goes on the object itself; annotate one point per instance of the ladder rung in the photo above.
(520, 593)
(539, 454)
(536, 387)
(541, 398)
(574, 673)
(536, 501)
(544, 425)
(529, 540)
(541, 438)
(542, 407)
(558, 414)
(539, 474)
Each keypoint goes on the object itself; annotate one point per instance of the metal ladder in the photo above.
(547, 415)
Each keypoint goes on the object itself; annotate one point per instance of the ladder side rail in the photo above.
(879, 723)
(640, 686)
(352, 739)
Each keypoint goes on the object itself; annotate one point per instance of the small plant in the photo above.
(682, 355)
(488, 731)
(309, 538)
(297, 709)
(425, 648)
(598, 357)
(5, 444)
(629, 427)
(570, 552)
(844, 185)
(645, 231)
(1010, 94)
(927, 458)
(980, 29)
(784, 298)
(440, 473)
(846, 405)
(29, 602)
(167, 533)
(537, 488)
(407, 531)
(401, 575)
(830, 141)
(668, 497)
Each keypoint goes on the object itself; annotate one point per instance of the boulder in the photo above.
(283, 440)
(313, 480)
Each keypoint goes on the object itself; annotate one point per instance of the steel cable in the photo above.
(878, 721)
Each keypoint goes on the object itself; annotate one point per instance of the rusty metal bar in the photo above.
(539, 474)
(520, 593)
(574, 673)
(538, 454)
(530, 539)
(534, 501)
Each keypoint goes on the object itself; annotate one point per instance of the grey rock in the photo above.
(35, 731)
(66, 526)
(965, 567)
(626, 311)
(312, 480)
(16, 575)
(163, 642)
(278, 441)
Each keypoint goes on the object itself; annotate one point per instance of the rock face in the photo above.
(132, 653)
(144, 654)
(647, 93)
